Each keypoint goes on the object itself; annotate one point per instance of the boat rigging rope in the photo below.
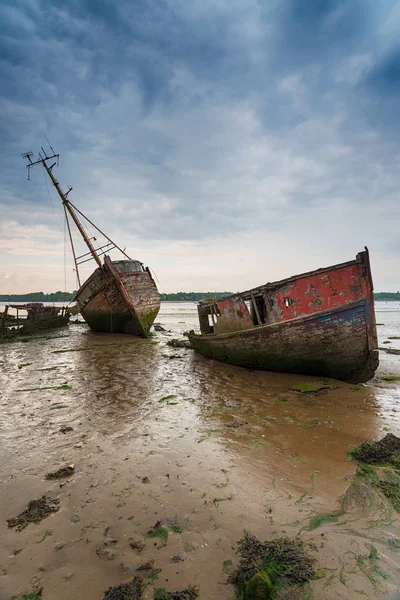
(154, 273)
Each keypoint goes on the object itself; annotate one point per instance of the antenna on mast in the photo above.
(50, 146)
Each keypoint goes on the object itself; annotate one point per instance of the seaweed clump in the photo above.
(267, 567)
(384, 452)
(37, 511)
(189, 593)
(133, 590)
(61, 473)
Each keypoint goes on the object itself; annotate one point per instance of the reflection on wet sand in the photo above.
(162, 434)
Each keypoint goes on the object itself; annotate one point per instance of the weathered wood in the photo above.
(320, 323)
(112, 302)
(253, 302)
(5, 317)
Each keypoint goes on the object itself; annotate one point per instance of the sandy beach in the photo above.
(161, 434)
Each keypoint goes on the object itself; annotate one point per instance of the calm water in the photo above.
(224, 449)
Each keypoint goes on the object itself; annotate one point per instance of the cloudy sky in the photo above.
(225, 143)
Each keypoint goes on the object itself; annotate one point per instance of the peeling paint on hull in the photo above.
(113, 303)
(334, 344)
(256, 329)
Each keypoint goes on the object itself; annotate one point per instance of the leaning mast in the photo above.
(72, 210)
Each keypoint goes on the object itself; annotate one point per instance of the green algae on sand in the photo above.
(311, 387)
(40, 389)
(159, 532)
(320, 520)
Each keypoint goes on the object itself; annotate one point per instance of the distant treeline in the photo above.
(38, 297)
(192, 296)
(67, 297)
(387, 296)
(177, 297)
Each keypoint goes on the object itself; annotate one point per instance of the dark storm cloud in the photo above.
(385, 77)
(200, 118)
(319, 30)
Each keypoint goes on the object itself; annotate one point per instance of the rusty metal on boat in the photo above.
(121, 295)
(317, 323)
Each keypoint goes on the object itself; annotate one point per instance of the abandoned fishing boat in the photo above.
(318, 323)
(31, 318)
(120, 296)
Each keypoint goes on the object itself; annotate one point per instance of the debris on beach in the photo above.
(174, 525)
(176, 559)
(385, 451)
(265, 567)
(37, 511)
(237, 422)
(189, 593)
(104, 553)
(138, 545)
(133, 590)
(146, 566)
(175, 343)
(63, 472)
(159, 327)
(66, 429)
(390, 350)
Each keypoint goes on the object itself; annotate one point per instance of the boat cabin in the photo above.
(292, 298)
(125, 267)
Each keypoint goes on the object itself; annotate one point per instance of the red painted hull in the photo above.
(319, 323)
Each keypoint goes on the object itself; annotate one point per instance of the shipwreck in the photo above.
(28, 319)
(317, 323)
(120, 296)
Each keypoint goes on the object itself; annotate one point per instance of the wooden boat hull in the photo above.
(320, 323)
(39, 317)
(114, 303)
(332, 344)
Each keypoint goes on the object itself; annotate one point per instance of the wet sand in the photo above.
(163, 434)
